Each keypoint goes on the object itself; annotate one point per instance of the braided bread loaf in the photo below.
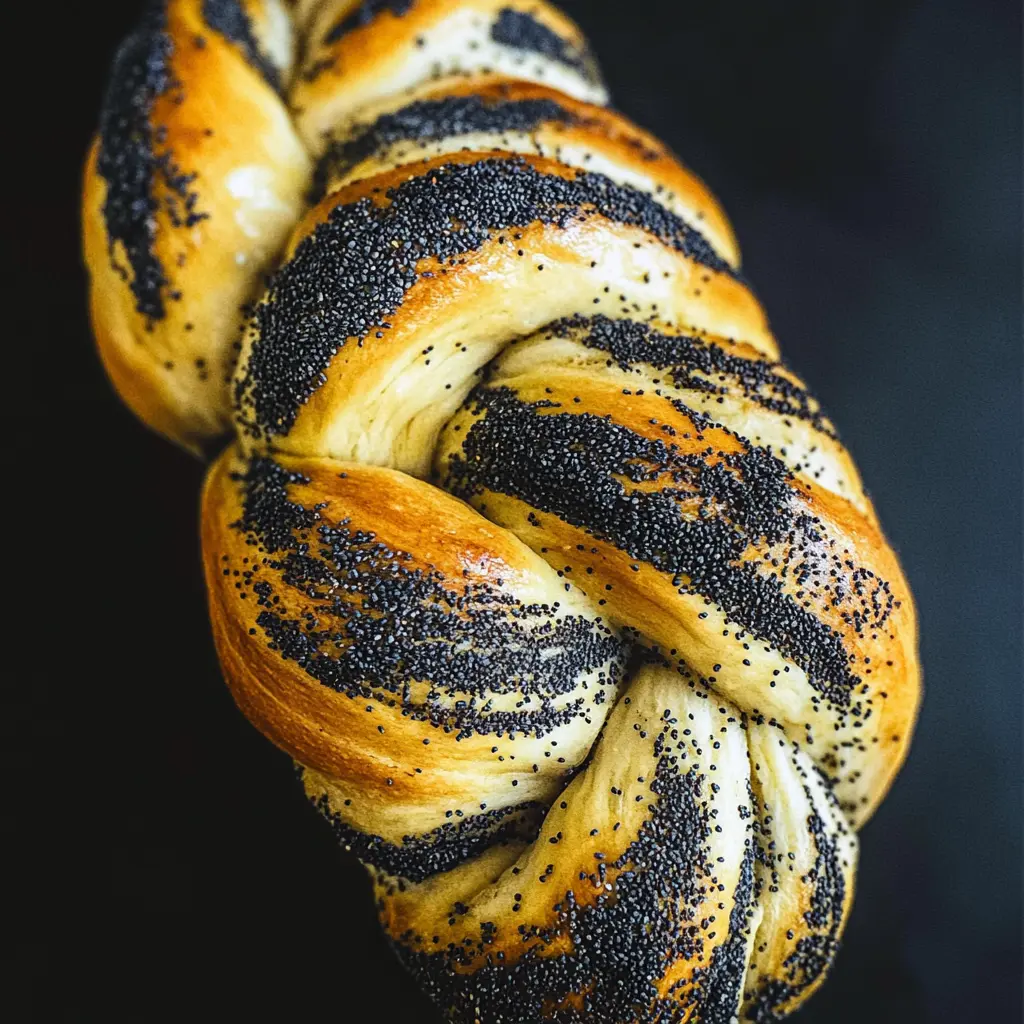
(558, 587)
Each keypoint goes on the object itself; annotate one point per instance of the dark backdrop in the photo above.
(868, 153)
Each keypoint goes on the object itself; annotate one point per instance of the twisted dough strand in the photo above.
(560, 589)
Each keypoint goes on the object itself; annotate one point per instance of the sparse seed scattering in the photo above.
(557, 585)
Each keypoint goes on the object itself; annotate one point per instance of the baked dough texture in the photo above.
(558, 587)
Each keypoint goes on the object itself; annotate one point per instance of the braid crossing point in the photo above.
(557, 585)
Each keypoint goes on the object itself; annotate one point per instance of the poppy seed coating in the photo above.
(613, 952)
(140, 180)
(230, 19)
(430, 120)
(470, 640)
(419, 857)
(745, 498)
(364, 257)
(521, 31)
(695, 363)
(363, 14)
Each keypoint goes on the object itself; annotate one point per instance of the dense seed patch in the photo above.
(522, 31)
(142, 178)
(327, 593)
(429, 120)
(572, 466)
(618, 947)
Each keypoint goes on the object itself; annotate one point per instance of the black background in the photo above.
(869, 154)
